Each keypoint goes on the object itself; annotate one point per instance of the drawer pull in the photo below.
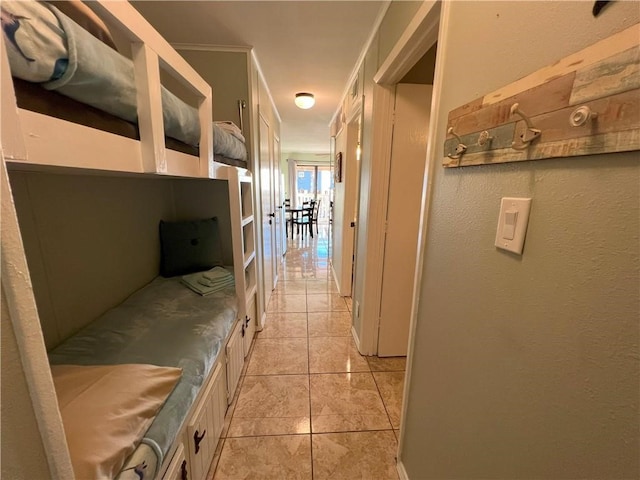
(183, 471)
(197, 439)
(246, 321)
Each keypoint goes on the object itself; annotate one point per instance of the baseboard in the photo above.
(402, 473)
(356, 339)
(335, 279)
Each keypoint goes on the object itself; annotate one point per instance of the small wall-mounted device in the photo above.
(512, 224)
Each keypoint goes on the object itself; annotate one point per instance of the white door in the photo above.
(279, 227)
(266, 197)
(408, 160)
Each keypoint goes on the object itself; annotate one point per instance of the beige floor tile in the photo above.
(273, 356)
(329, 324)
(346, 402)
(291, 287)
(321, 286)
(355, 455)
(391, 385)
(284, 325)
(335, 354)
(266, 458)
(272, 405)
(324, 302)
(287, 303)
(387, 364)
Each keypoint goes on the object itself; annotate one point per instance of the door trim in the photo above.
(419, 36)
(427, 194)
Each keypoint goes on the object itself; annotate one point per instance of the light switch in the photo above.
(512, 224)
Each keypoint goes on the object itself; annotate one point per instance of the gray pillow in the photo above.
(187, 247)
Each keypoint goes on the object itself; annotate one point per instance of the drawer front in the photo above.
(235, 359)
(250, 325)
(201, 437)
(179, 466)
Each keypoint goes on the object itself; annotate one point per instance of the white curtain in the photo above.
(292, 165)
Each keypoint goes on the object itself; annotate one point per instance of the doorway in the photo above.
(345, 204)
(268, 210)
(407, 166)
(314, 182)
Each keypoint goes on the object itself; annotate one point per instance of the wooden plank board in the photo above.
(604, 77)
(625, 141)
(619, 73)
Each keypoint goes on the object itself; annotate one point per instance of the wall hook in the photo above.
(582, 115)
(460, 149)
(530, 134)
(484, 138)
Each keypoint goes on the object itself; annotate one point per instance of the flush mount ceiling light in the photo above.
(305, 100)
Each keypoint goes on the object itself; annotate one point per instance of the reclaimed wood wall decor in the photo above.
(584, 104)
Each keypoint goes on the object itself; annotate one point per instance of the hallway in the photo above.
(309, 405)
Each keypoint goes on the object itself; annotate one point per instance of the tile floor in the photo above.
(309, 405)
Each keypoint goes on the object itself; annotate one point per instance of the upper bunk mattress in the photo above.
(164, 324)
(47, 48)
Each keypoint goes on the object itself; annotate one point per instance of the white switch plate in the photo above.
(522, 206)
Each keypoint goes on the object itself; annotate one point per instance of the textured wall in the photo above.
(526, 367)
(398, 16)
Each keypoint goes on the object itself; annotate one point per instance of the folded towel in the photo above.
(206, 286)
(216, 273)
(212, 284)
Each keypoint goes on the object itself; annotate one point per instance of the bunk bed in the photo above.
(64, 73)
(70, 131)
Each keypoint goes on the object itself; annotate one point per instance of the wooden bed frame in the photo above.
(36, 142)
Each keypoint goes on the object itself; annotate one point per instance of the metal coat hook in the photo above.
(530, 134)
(460, 149)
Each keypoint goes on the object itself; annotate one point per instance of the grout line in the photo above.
(384, 404)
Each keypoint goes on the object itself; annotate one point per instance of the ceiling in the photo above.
(301, 46)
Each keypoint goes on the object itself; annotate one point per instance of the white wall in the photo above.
(526, 367)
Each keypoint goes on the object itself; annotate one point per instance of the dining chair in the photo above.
(303, 218)
(287, 217)
(314, 217)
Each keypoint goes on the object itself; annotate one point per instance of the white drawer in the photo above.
(202, 434)
(235, 359)
(179, 467)
(250, 324)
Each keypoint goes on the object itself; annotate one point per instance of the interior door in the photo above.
(268, 214)
(277, 201)
(408, 161)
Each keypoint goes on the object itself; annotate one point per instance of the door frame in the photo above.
(419, 36)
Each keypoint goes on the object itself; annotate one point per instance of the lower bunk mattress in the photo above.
(163, 324)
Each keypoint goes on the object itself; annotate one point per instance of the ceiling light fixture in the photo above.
(305, 100)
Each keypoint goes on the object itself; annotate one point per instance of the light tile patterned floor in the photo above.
(309, 405)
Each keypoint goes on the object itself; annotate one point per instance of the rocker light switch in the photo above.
(512, 224)
(509, 229)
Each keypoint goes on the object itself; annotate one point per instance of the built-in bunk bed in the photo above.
(137, 233)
